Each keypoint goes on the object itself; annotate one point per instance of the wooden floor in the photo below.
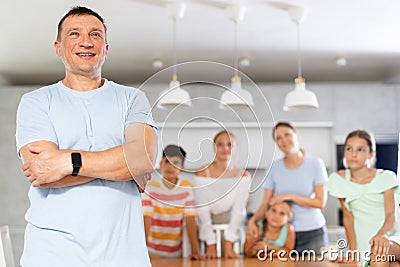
(242, 263)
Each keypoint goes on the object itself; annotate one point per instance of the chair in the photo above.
(6, 252)
(219, 229)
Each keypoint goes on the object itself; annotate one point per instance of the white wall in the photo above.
(344, 107)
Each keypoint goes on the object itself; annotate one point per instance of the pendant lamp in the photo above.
(174, 96)
(300, 98)
(236, 97)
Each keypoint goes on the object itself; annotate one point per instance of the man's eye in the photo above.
(95, 34)
(73, 34)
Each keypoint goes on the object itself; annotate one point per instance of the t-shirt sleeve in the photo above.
(140, 110)
(385, 181)
(334, 185)
(339, 187)
(33, 121)
(269, 182)
(321, 176)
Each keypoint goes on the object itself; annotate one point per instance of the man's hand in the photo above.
(46, 165)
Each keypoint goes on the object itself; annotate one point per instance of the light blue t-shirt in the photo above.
(299, 181)
(94, 224)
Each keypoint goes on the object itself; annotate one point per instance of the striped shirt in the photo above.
(167, 208)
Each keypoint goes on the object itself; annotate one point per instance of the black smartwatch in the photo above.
(76, 163)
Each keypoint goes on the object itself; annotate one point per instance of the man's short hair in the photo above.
(79, 11)
(174, 151)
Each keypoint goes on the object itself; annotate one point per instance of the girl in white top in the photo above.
(218, 196)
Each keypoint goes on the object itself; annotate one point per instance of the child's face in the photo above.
(278, 215)
(171, 167)
(357, 152)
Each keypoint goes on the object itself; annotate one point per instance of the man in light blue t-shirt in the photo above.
(88, 146)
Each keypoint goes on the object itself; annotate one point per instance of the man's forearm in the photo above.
(133, 160)
(109, 165)
(68, 181)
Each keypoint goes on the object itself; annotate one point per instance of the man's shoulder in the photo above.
(121, 87)
(42, 91)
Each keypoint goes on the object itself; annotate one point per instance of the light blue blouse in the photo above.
(299, 181)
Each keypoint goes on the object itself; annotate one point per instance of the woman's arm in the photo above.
(380, 242)
(318, 201)
(348, 223)
(260, 213)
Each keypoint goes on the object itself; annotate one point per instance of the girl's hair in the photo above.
(367, 136)
(265, 222)
(231, 135)
(283, 124)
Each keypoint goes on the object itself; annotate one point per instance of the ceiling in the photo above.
(366, 32)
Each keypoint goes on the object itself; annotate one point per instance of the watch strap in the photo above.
(76, 163)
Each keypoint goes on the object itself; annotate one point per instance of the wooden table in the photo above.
(241, 263)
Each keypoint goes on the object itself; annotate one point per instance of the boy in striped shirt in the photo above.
(166, 204)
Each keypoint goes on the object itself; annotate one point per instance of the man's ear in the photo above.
(57, 46)
(106, 51)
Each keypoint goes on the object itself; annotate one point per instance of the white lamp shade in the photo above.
(236, 97)
(300, 98)
(173, 97)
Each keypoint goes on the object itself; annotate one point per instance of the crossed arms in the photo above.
(47, 166)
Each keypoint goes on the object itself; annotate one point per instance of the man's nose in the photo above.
(86, 41)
